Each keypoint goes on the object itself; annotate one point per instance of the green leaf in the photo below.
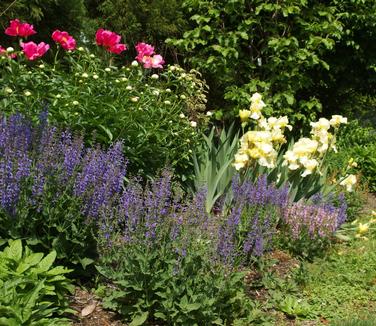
(14, 251)
(107, 131)
(160, 315)
(29, 261)
(46, 263)
(58, 270)
(342, 237)
(139, 319)
(9, 322)
(192, 306)
(86, 262)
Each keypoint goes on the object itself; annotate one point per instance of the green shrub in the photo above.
(32, 291)
(151, 22)
(44, 15)
(357, 147)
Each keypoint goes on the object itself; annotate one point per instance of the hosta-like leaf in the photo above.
(46, 263)
(14, 251)
(139, 319)
(28, 262)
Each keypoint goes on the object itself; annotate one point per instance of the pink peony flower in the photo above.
(143, 49)
(2, 50)
(16, 28)
(110, 41)
(34, 51)
(156, 61)
(66, 41)
(117, 49)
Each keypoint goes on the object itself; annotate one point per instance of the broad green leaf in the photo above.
(46, 263)
(192, 306)
(14, 250)
(29, 261)
(86, 262)
(139, 319)
(160, 315)
(9, 322)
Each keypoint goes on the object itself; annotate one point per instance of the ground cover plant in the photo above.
(33, 291)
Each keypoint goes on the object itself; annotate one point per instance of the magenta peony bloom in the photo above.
(117, 49)
(66, 41)
(16, 28)
(143, 49)
(110, 41)
(2, 50)
(34, 51)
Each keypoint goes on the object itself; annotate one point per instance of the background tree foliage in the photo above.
(45, 15)
(304, 55)
(142, 20)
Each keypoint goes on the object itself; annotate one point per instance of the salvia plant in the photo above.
(52, 187)
(159, 251)
(251, 220)
(311, 225)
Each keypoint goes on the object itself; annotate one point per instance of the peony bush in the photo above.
(156, 110)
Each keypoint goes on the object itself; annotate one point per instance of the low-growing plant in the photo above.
(163, 286)
(159, 256)
(367, 321)
(309, 226)
(32, 291)
(294, 307)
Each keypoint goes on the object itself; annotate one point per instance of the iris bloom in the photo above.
(349, 182)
